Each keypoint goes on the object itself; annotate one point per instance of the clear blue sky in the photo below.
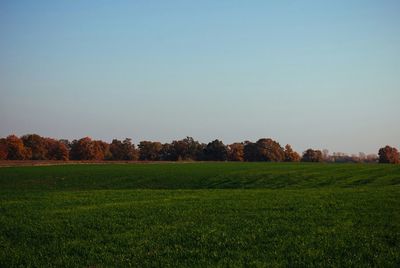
(320, 74)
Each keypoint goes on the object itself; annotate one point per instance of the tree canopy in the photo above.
(36, 147)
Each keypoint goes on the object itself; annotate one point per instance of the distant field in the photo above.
(200, 214)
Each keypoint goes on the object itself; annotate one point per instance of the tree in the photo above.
(216, 151)
(149, 151)
(16, 149)
(290, 155)
(186, 149)
(167, 152)
(312, 156)
(236, 152)
(250, 151)
(100, 150)
(56, 150)
(116, 150)
(67, 143)
(76, 149)
(37, 146)
(3, 149)
(45, 148)
(389, 155)
(129, 149)
(269, 150)
(124, 150)
(81, 149)
(86, 149)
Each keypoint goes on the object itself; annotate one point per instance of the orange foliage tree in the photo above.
(56, 150)
(87, 149)
(290, 155)
(37, 145)
(16, 149)
(236, 152)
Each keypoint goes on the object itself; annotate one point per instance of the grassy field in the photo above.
(200, 214)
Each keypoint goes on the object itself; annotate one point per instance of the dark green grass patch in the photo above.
(191, 215)
(198, 176)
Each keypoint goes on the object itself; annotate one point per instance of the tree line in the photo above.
(35, 147)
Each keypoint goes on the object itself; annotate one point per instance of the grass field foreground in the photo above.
(200, 214)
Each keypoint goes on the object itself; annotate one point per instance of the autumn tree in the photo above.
(123, 150)
(37, 146)
(186, 149)
(66, 142)
(101, 150)
(312, 156)
(56, 150)
(81, 149)
(269, 150)
(16, 149)
(236, 152)
(149, 151)
(87, 149)
(216, 151)
(290, 155)
(389, 155)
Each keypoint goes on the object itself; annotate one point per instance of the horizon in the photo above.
(136, 143)
(312, 75)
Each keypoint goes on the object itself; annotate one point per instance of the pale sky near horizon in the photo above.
(319, 74)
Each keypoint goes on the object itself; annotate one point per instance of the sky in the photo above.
(315, 74)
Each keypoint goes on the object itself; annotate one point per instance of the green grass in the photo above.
(200, 214)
